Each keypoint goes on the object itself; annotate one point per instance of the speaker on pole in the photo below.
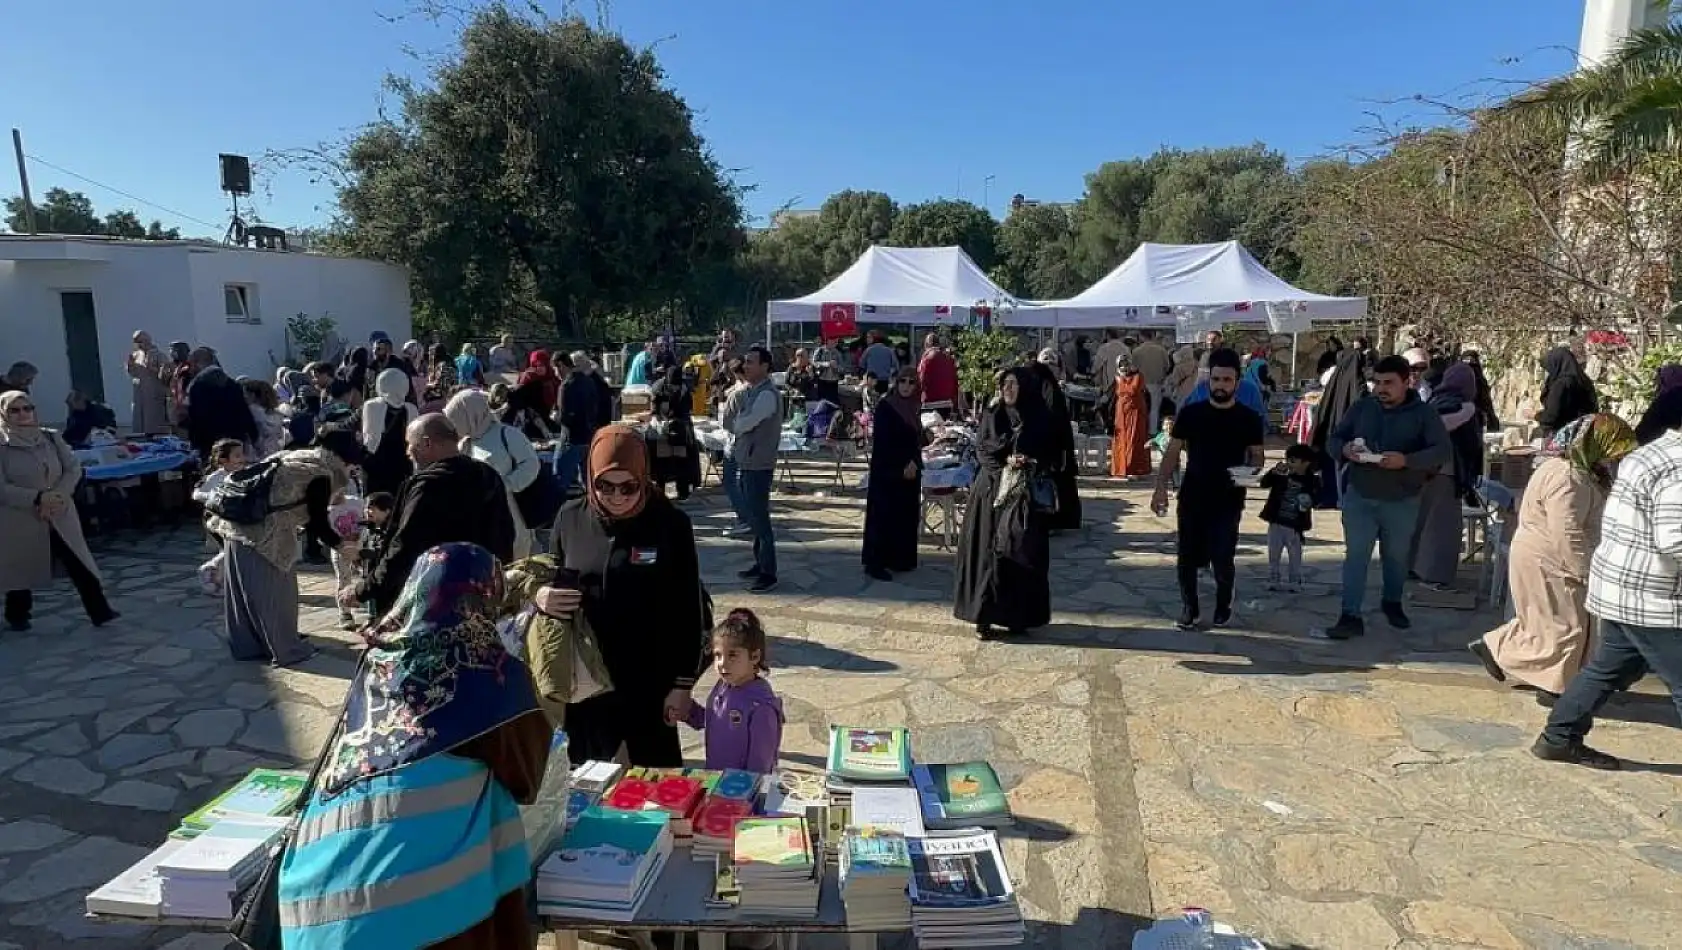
(236, 174)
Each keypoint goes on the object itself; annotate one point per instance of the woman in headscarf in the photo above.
(535, 396)
(384, 420)
(540, 375)
(1346, 385)
(1567, 393)
(260, 578)
(264, 404)
(1486, 396)
(38, 519)
(1438, 533)
(149, 371)
(354, 370)
(1328, 358)
(1182, 377)
(627, 556)
(469, 371)
(893, 500)
(1130, 454)
(1064, 464)
(180, 377)
(677, 457)
(1004, 552)
(1548, 565)
(438, 713)
(1664, 413)
(1260, 375)
(502, 447)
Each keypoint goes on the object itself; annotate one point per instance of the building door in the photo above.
(81, 343)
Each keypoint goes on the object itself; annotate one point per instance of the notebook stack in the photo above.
(588, 782)
(263, 793)
(776, 873)
(714, 824)
(860, 756)
(961, 895)
(962, 795)
(606, 865)
(138, 891)
(205, 877)
(875, 871)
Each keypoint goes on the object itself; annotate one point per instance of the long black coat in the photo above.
(1004, 553)
(1064, 464)
(893, 503)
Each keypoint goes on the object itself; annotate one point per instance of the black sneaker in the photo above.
(1487, 658)
(1576, 754)
(1347, 626)
(762, 585)
(984, 631)
(1223, 616)
(1393, 613)
(1188, 619)
(750, 574)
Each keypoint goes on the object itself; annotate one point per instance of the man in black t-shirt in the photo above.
(1214, 436)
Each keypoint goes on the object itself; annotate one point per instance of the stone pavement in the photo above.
(1369, 794)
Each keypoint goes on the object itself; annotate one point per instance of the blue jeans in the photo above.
(732, 479)
(1390, 524)
(756, 509)
(567, 467)
(1622, 655)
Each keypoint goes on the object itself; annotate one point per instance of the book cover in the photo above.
(224, 848)
(873, 850)
(717, 817)
(606, 847)
(776, 842)
(961, 871)
(868, 754)
(962, 790)
(888, 806)
(736, 784)
(263, 793)
(676, 792)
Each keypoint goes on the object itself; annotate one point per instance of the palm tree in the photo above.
(1621, 113)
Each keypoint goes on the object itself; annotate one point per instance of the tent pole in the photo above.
(1293, 380)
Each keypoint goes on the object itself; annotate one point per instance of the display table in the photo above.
(678, 902)
(147, 464)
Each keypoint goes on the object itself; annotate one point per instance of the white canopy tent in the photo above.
(922, 286)
(1189, 286)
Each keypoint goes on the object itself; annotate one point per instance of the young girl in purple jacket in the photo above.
(743, 718)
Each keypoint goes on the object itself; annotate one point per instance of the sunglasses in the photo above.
(628, 489)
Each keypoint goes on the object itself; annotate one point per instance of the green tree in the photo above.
(943, 223)
(849, 222)
(1036, 258)
(547, 167)
(71, 212)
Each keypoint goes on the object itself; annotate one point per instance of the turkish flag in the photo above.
(837, 320)
(1241, 306)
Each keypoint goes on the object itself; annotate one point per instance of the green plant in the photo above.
(1629, 387)
(306, 335)
(981, 354)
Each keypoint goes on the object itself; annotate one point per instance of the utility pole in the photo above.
(986, 188)
(23, 182)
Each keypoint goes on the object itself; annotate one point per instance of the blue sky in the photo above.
(918, 98)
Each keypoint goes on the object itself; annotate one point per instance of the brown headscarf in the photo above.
(910, 408)
(617, 448)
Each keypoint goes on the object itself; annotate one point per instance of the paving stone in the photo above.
(10, 758)
(23, 729)
(27, 835)
(1455, 923)
(218, 762)
(110, 723)
(209, 727)
(67, 739)
(1312, 863)
(289, 729)
(128, 749)
(171, 657)
(248, 696)
(1051, 735)
(136, 794)
(84, 865)
(170, 760)
(934, 705)
(65, 776)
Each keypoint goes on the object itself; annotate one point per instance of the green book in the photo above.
(264, 793)
(870, 755)
(961, 794)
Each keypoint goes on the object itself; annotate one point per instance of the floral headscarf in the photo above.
(1593, 444)
(435, 674)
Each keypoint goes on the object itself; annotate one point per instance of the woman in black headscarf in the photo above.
(1064, 464)
(1567, 394)
(1328, 359)
(1004, 556)
(677, 457)
(1346, 385)
(895, 494)
(1486, 398)
(354, 370)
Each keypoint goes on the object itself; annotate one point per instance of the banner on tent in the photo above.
(837, 320)
(1291, 317)
(1190, 324)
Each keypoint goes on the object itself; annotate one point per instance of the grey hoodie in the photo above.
(1412, 428)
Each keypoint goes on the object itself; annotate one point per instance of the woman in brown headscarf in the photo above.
(1130, 454)
(892, 502)
(627, 559)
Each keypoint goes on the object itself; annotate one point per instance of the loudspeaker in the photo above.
(236, 174)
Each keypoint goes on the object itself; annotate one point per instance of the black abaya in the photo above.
(1347, 385)
(1004, 556)
(1064, 464)
(892, 503)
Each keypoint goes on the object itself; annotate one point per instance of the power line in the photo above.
(118, 191)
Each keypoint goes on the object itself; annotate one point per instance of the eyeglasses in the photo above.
(626, 489)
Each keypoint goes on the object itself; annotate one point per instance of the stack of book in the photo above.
(675, 792)
(732, 799)
(860, 756)
(776, 873)
(606, 865)
(962, 795)
(205, 876)
(875, 871)
(961, 895)
(138, 891)
(263, 793)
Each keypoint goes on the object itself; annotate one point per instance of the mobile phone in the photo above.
(568, 578)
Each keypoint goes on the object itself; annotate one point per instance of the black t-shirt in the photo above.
(1216, 439)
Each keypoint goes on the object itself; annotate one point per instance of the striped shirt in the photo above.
(1636, 574)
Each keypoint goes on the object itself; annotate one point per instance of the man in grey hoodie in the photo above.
(1391, 444)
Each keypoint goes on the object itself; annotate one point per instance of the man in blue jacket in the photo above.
(1390, 445)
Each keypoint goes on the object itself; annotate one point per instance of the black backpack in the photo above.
(244, 497)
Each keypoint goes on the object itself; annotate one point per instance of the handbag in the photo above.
(256, 925)
(1042, 494)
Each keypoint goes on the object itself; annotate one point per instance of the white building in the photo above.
(70, 305)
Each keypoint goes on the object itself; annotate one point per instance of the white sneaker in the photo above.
(737, 531)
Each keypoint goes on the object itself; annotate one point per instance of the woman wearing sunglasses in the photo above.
(627, 559)
(38, 474)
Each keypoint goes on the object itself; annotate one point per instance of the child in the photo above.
(1159, 443)
(376, 514)
(1291, 486)
(743, 718)
(226, 457)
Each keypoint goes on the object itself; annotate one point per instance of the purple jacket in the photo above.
(744, 726)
